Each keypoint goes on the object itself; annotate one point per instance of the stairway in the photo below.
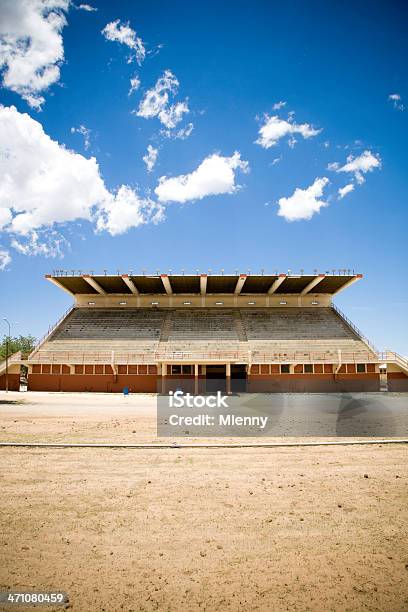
(12, 359)
(166, 328)
(240, 327)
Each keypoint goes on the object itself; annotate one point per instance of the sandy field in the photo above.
(271, 529)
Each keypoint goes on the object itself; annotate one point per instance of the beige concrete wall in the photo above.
(13, 368)
(207, 301)
(392, 367)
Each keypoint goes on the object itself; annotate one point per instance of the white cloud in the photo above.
(172, 115)
(5, 217)
(396, 101)
(333, 166)
(215, 175)
(156, 102)
(5, 259)
(184, 133)
(127, 209)
(275, 128)
(304, 203)
(85, 132)
(181, 134)
(31, 46)
(123, 34)
(157, 98)
(44, 184)
(45, 243)
(134, 84)
(151, 157)
(34, 101)
(360, 165)
(87, 7)
(343, 191)
(278, 105)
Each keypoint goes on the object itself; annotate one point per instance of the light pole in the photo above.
(7, 349)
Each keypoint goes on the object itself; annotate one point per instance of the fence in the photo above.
(108, 357)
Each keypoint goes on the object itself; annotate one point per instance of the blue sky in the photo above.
(334, 65)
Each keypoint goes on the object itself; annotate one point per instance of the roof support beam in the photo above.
(166, 284)
(128, 281)
(313, 283)
(91, 281)
(58, 284)
(240, 283)
(268, 285)
(276, 283)
(203, 284)
(350, 282)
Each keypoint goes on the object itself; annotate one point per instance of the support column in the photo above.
(276, 283)
(128, 281)
(92, 282)
(313, 283)
(383, 377)
(339, 363)
(240, 283)
(228, 378)
(196, 379)
(166, 283)
(348, 283)
(163, 378)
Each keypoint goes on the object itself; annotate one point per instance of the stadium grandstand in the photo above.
(243, 332)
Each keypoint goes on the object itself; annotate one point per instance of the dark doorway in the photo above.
(216, 378)
(238, 378)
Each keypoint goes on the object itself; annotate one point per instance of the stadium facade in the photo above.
(265, 333)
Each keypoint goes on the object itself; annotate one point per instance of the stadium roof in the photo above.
(245, 284)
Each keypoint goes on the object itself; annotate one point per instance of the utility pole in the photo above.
(7, 349)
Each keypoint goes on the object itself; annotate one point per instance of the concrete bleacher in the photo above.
(200, 331)
(295, 324)
(103, 324)
(300, 331)
(95, 330)
(202, 324)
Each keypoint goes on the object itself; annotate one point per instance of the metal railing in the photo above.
(14, 358)
(51, 329)
(392, 357)
(108, 357)
(222, 357)
(91, 357)
(354, 328)
(330, 357)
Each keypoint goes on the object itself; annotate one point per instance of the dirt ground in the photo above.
(303, 528)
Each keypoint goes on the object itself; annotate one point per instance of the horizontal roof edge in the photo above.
(190, 283)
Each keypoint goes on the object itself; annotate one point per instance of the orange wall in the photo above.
(256, 382)
(103, 383)
(313, 383)
(397, 381)
(13, 382)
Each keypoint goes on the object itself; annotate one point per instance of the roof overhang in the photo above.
(196, 284)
